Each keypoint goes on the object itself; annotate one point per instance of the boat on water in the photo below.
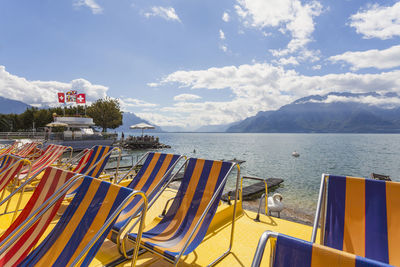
(78, 133)
(356, 222)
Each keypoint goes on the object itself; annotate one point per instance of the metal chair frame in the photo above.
(177, 258)
(258, 255)
(321, 208)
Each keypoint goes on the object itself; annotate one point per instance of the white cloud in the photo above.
(261, 86)
(96, 9)
(221, 35)
(225, 17)
(186, 97)
(152, 84)
(286, 15)
(167, 13)
(316, 67)
(224, 48)
(380, 59)
(377, 21)
(287, 61)
(45, 92)
(380, 100)
(127, 103)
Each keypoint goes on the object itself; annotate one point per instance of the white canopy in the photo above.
(56, 124)
(142, 126)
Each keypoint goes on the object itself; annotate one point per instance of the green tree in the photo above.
(106, 113)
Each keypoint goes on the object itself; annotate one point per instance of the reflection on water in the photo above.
(269, 155)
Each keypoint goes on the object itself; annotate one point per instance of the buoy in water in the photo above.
(295, 154)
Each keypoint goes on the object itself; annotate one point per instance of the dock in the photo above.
(255, 190)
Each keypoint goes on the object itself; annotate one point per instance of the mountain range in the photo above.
(8, 106)
(331, 113)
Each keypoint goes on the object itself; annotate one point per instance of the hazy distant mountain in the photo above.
(334, 112)
(250, 124)
(129, 118)
(220, 128)
(8, 106)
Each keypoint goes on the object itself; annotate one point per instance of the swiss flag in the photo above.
(80, 99)
(61, 97)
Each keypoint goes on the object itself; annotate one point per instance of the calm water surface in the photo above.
(269, 155)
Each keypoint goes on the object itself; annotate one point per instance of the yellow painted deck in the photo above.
(216, 241)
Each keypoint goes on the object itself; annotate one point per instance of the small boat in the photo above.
(295, 154)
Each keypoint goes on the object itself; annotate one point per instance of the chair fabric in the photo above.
(149, 179)
(363, 217)
(51, 181)
(9, 173)
(91, 164)
(46, 159)
(199, 184)
(5, 161)
(92, 205)
(27, 150)
(97, 157)
(291, 252)
(8, 149)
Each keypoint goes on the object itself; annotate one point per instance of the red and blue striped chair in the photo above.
(292, 252)
(360, 216)
(81, 230)
(152, 176)
(52, 180)
(186, 222)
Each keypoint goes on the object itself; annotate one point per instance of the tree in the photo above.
(106, 113)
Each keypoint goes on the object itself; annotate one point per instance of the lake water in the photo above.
(269, 155)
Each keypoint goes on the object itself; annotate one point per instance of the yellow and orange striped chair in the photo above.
(288, 251)
(186, 222)
(361, 216)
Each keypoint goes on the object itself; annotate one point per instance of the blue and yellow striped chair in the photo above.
(96, 161)
(360, 216)
(194, 205)
(292, 252)
(92, 165)
(79, 233)
(151, 177)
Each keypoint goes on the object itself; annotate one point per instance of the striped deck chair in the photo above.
(292, 252)
(5, 161)
(152, 176)
(27, 150)
(360, 216)
(13, 171)
(195, 204)
(48, 158)
(9, 149)
(92, 164)
(84, 225)
(52, 180)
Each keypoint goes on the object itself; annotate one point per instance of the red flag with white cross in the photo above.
(61, 97)
(81, 99)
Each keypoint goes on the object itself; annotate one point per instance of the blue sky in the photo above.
(193, 63)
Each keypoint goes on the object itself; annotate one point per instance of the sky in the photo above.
(192, 63)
